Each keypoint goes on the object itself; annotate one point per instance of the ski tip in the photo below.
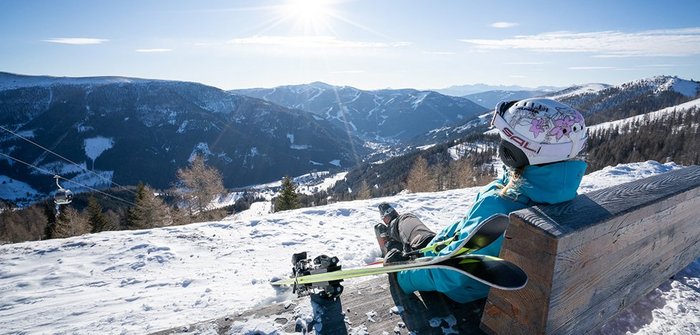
(277, 281)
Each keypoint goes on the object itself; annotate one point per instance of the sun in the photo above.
(311, 15)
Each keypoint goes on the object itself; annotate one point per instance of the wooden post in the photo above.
(589, 258)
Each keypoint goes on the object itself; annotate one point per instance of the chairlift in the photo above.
(62, 196)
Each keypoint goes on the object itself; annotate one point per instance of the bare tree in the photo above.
(22, 225)
(202, 184)
(363, 192)
(463, 173)
(69, 222)
(419, 178)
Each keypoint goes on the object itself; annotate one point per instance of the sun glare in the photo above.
(309, 14)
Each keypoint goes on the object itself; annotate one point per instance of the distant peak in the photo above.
(320, 84)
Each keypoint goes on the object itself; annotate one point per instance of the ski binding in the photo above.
(304, 266)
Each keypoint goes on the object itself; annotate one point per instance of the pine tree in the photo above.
(149, 211)
(96, 218)
(288, 198)
(201, 184)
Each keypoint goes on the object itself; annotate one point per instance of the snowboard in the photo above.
(324, 274)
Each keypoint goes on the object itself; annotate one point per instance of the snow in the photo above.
(61, 168)
(10, 81)
(94, 147)
(580, 90)
(300, 147)
(201, 149)
(652, 116)
(135, 282)
(684, 87)
(315, 187)
(183, 127)
(12, 189)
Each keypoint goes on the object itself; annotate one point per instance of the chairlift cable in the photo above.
(66, 159)
(66, 179)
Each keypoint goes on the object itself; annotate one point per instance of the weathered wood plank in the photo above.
(534, 251)
(374, 306)
(599, 281)
(597, 254)
(636, 288)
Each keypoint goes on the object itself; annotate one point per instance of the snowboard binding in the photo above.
(304, 266)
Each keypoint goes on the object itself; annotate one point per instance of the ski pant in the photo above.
(406, 232)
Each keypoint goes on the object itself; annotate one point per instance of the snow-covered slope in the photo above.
(135, 282)
(653, 116)
(578, 90)
(13, 81)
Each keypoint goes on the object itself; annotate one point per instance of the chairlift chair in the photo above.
(62, 196)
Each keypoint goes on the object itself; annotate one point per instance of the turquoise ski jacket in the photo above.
(548, 184)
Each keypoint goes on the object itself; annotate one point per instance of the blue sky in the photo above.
(367, 44)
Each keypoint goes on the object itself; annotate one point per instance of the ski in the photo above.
(489, 270)
(324, 274)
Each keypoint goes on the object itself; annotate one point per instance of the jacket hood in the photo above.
(550, 183)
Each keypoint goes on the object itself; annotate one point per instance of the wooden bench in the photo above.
(589, 258)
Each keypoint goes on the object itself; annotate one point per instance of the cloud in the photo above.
(154, 50)
(503, 25)
(658, 65)
(524, 63)
(439, 52)
(76, 40)
(312, 42)
(348, 71)
(670, 42)
(591, 68)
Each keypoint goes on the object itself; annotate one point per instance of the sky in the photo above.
(367, 44)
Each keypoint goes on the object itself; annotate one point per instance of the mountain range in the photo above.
(126, 130)
(382, 115)
(465, 90)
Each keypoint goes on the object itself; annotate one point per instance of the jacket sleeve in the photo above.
(457, 286)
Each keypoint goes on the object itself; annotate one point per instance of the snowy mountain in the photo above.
(601, 103)
(489, 99)
(127, 130)
(598, 102)
(381, 115)
(648, 117)
(463, 90)
(136, 282)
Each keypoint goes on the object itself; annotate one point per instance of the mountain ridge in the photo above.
(156, 127)
(386, 115)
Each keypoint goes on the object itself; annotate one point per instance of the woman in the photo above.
(539, 138)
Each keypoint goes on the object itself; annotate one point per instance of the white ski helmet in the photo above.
(538, 131)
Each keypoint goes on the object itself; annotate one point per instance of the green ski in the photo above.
(323, 274)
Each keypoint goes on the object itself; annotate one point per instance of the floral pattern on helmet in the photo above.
(548, 125)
